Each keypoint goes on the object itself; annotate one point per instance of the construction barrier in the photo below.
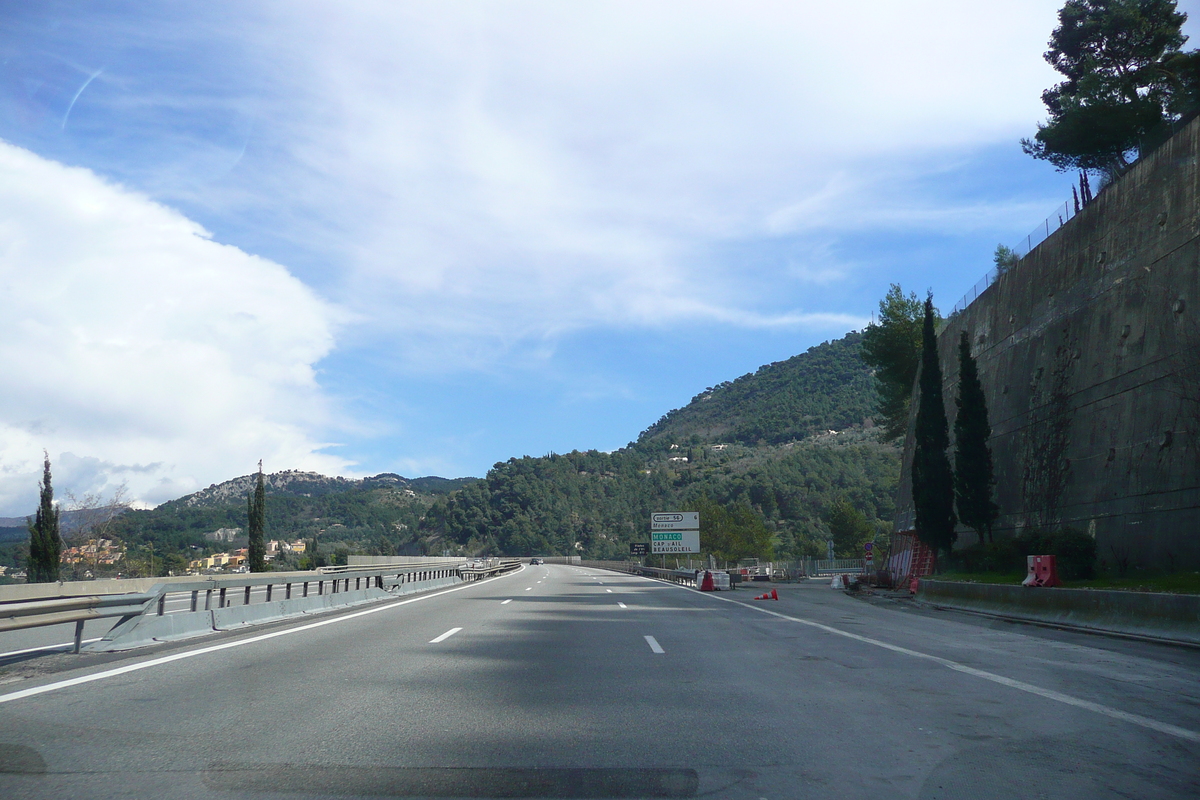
(1043, 571)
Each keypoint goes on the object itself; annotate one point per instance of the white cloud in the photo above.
(138, 350)
(509, 171)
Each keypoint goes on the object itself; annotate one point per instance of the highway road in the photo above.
(562, 681)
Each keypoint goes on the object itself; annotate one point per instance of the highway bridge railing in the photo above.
(270, 596)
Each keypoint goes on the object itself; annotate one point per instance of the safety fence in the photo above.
(1049, 225)
(821, 567)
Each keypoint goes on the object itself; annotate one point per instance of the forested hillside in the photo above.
(826, 388)
(596, 503)
(379, 515)
(787, 441)
(775, 449)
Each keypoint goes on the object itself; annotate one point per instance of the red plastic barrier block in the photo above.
(1042, 571)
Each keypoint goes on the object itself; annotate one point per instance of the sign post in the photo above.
(675, 532)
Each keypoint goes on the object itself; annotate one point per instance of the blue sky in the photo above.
(426, 237)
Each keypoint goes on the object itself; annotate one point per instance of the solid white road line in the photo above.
(154, 662)
(506, 602)
(655, 647)
(66, 645)
(1049, 694)
(445, 635)
(622, 605)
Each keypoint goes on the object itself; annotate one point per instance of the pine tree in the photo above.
(893, 347)
(45, 546)
(973, 475)
(1127, 81)
(256, 506)
(932, 479)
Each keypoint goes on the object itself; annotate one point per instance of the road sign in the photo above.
(868, 546)
(675, 521)
(639, 548)
(675, 542)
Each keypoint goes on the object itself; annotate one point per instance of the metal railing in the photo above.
(218, 592)
(835, 566)
(1041, 233)
(474, 571)
(64, 610)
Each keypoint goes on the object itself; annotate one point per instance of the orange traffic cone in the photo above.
(774, 595)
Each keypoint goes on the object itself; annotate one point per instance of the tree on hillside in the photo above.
(45, 545)
(893, 347)
(732, 532)
(973, 475)
(1126, 79)
(849, 529)
(1005, 258)
(256, 507)
(932, 480)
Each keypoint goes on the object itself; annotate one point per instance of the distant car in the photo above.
(533, 562)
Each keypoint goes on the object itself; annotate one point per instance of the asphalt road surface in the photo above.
(561, 681)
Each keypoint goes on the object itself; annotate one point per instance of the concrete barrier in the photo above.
(153, 629)
(1168, 617)
(425, 586)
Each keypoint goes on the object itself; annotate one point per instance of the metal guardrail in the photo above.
(399, 563)
(494, 567)
(206, 594)
(60, 611)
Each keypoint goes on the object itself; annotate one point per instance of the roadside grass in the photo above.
(1170, 583)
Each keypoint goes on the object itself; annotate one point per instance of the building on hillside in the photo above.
(93, 551)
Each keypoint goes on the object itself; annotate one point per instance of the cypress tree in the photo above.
(256, 507)
(45, 546)
(932, 479)
(973, 476)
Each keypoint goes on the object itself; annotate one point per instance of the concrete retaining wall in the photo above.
(1172, 617)
(1089, 355)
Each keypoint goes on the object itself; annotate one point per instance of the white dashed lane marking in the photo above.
(655, 647)
(445, 635)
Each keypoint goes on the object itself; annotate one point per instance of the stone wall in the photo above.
(1089, 352)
